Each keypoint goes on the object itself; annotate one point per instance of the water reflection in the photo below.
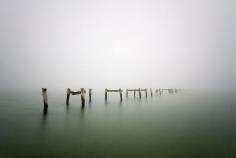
(82, 112)
(67, 109)
(105, 102)
(44, 119)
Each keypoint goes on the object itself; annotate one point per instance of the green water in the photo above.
(178, 125)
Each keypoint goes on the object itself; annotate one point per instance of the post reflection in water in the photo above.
(82, 112)
(44, 119)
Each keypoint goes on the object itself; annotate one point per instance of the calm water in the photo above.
(178, 125)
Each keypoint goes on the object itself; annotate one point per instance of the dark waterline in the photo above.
(176, 125)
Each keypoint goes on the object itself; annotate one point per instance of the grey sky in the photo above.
(158, 43)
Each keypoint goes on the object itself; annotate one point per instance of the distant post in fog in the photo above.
(90, 95)
(146, 92)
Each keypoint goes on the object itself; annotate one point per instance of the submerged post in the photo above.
(126, 93)
(139, 93)
(146, 92)
(45, 99)
(134, 92)
(82, 93)
(151, 91)
(106, 94)
(68, 96)
(120, 94)
(90, 94)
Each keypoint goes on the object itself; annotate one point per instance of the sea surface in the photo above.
(181, 125)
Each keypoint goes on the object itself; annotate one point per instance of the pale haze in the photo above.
(58, 44)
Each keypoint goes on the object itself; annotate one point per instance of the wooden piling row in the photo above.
(139, 90)
(169, 90)
(82, 93)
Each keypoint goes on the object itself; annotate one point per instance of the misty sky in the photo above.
(124, 43)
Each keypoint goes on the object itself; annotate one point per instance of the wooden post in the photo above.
(120, 94)
(139, 93)
(90, 94)
(82, 93)
(106, 94)
(68, 96)
(146, 92)
(134, 92)
(45, 99)
(151, 91)
(126, 93)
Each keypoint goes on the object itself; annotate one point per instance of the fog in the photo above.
(58, 44)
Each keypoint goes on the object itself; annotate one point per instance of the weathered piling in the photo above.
(151, 91)
(106, 94)
(68, 96)
(120, 94)
(146, 92)
(45, 99)
(126, 93)
(134, 92)
(139, 91)
(82, 90)
(90, 95)
(111, 90)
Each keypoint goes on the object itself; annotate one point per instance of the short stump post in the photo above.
(45, 99)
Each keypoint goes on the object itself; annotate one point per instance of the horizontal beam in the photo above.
(113, 90)
(75, 93)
